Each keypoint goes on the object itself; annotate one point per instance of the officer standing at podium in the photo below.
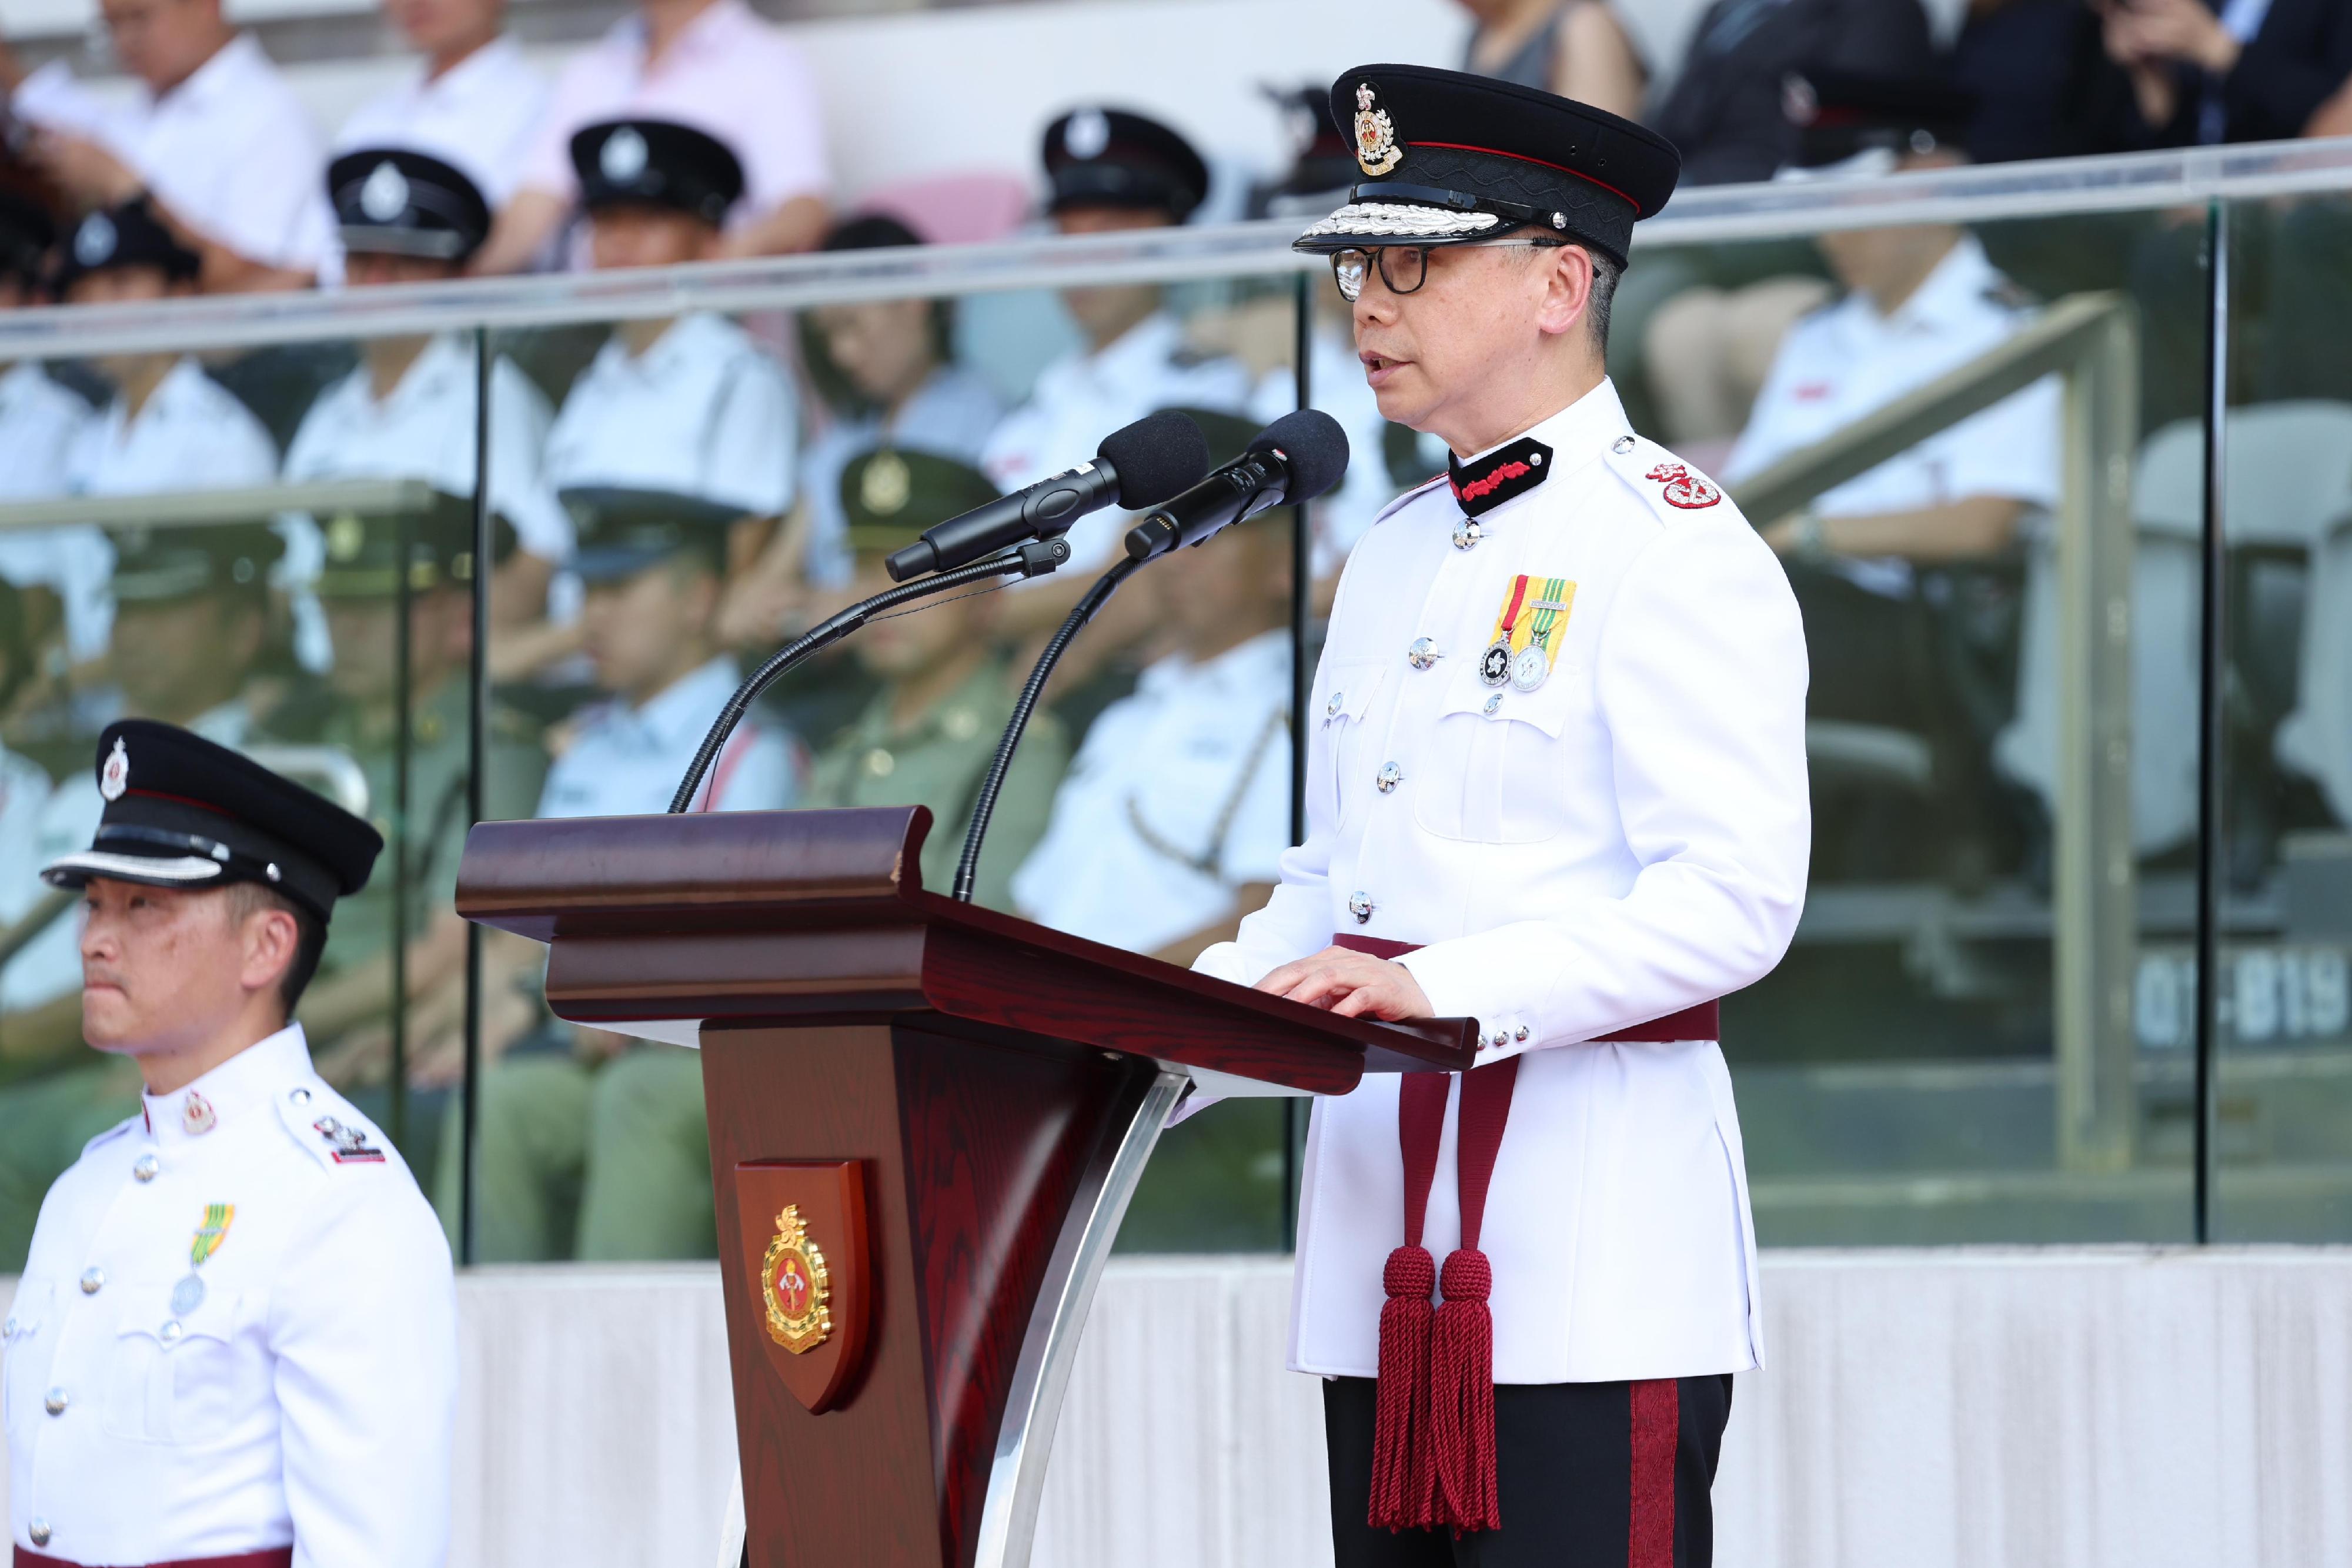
(1556, 785)
(235, 1342)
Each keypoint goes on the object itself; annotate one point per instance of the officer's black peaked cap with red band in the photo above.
(1452, 159)
(182, 811)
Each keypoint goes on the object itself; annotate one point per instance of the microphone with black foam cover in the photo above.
(1137, 467)
(1297, 458)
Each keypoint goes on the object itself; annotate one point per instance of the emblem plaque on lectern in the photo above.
(794, 1286)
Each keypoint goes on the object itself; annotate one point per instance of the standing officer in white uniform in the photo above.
(1558, 786)
(235, 1342)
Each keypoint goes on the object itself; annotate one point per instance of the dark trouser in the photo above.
(1586, 1477)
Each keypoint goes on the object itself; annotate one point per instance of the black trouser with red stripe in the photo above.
(1592, 1475)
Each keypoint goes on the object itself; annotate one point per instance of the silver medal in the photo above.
(187, 1296)
(1495, 664)
(1528, 669)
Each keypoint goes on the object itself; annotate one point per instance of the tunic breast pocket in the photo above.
(1342, 707)
(177, 1377)
(1492, 773)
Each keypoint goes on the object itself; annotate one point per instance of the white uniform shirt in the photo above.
(1084, 396)
(309, 1397)
(1180, 795)
(627, 761)
(38, 421)
(192, 434)
(1847, 361)
(230, 150)
(1626, 841)
(480, 116)
(729, 73)
(425, 430)
(704, 412)
(952, 414)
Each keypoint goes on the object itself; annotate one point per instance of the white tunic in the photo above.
(1180, 795)
(480, 116)
(1626, 841)
(1085, 395)
(230, 150)
(425, 430)
(309, 1397)
(704, 412)
(627, 761)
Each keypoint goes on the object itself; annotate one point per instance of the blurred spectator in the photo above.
(215, 143)
(169, 426)
(2042, 83)
(472, 101)
(685, 405)
(384, 719)
(1870, 560)
(38, 421)
(2334, 117)
(2240, 71)
(706, 63)
(1111, 172)
(616, 1122)
(1173, 819)
(1724, 110)
(408, 411)
(929, 736)
(885, 371)
(191, 620)
(1576, 48)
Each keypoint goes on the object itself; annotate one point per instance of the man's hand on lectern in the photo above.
(1351, 984)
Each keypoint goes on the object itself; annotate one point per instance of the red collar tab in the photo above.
(1500, 476)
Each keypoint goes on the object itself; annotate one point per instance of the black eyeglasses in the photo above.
(1405, 267)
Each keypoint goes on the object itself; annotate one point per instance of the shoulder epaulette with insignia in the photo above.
(1673, 488)
(322, 1122)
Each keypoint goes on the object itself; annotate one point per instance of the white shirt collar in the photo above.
(243, 1088)
(1954, 290)
(501, 55)
(1141, 348)
(706, 31)
(219, 74)
(679, 715)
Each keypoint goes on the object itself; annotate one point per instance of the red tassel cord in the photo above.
(1462, 1397)
(1404, 1478)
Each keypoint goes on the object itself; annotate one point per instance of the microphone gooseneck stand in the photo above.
(1033, 560)
(968, 869)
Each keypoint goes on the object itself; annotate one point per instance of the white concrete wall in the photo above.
(1964, 1409)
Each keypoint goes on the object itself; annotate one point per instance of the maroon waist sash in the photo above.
(275, 1557)
(1433, 1427)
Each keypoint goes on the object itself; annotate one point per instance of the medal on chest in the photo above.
(1527, 632)
(189, 1293)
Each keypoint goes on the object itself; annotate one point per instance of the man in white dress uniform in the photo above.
(235, 1342)
(1556, 785)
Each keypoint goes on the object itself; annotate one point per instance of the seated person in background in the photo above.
(39, 418)
(191, 620)
(1111, 171)
(169, 426)
(707, 63)
(928, 736)
(1921, 301)
(885, 371)
(2240, 72)
(215, 143)
(685, 405)
(472, 101)
(408, 411)
(1172, 821)
(598, 1150)
(1576, 48)
(411, 898)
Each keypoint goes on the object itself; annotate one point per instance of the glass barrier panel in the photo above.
(1910, 416)
(2282, 1095)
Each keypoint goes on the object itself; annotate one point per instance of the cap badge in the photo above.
(1376, 149)
(1087, 135)
(94, 242)
(886, 487)
(1683, 488)
(197, 1115)
(796, 1286)
(623, 157)
(345, 534)
(385, 196)
(114, 777)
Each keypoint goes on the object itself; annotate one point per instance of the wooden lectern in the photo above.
(925, 1122)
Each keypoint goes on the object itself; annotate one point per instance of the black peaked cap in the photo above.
(1447, 157)
(657, 163)
(124, 237)
(1116, 158)
(168, 566)
(1840, 113)
(392, 201)
(183, 811)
